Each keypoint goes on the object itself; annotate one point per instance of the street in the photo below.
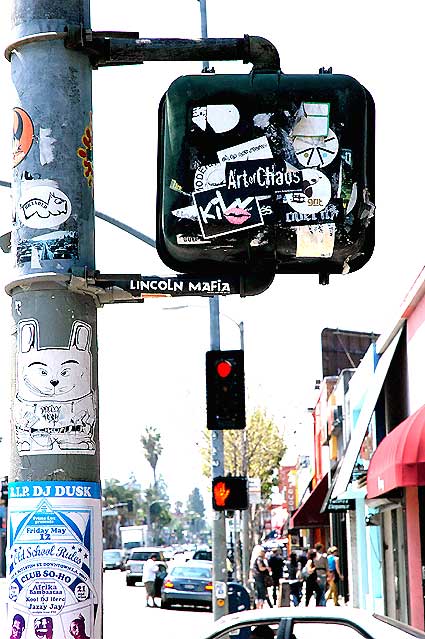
(125, 614)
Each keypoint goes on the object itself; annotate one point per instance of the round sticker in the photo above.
(316, 151)
(315, 195)
(209, 176)
(222, 117)
(23, 134)
(43, 207)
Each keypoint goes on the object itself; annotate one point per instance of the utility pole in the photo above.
(219, 545)
(54, 552)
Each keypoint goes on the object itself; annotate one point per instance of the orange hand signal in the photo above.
(221, 493)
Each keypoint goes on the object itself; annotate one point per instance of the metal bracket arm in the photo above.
(118, 48)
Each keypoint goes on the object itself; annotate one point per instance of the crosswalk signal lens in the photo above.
(230, 493)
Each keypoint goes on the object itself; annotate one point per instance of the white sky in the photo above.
(152, 362)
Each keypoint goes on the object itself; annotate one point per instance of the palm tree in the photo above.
(151, 442)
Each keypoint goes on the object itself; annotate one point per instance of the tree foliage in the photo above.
(264, 450)
(151, 442)
(114, 492)
(195, 502)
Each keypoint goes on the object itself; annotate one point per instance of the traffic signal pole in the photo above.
(219, 545)
(54, 553)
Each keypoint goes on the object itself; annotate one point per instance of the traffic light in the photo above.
(225, 390)
(266, 172)
(230, 493)
(4, 490)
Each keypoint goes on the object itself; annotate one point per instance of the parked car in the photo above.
(203, 555)
(189, 583)
(136, 561)
(113, 559)
(304, 623)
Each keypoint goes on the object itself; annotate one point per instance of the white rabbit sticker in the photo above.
(54, 410)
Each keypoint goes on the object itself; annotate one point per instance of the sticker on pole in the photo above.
(220, 589)
(54, 559)
(43, 207)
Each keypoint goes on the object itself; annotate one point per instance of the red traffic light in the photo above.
(224, 368)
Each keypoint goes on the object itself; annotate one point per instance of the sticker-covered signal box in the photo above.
(266, 171)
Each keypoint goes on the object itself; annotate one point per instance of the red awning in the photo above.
(399, 460)
(308, 514)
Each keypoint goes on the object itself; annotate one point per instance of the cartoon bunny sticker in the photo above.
(54, 409)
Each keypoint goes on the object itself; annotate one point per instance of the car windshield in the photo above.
(205, 555)
(140, 556)
(112, 554)
(191, 572)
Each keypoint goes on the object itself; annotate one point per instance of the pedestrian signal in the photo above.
(230, 493)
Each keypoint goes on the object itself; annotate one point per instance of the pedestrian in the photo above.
(302, 557)
(276, 564)
(150, 569)
(311, 584)
(321, 563)
(260, 570)
(334, 575)
(295, 583)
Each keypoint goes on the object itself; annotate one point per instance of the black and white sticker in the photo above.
(316, 151)
(220, 213)
(315, 195)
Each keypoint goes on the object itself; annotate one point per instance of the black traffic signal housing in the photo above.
(229, 493)
(266, 172)
(225, 381)
(4, 495)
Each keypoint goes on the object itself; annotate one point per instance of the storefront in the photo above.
(395, 475)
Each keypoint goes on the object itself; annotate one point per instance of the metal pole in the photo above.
(219, 546)
(217, 469)
(55, 559)
(245, 513)
(204, 30)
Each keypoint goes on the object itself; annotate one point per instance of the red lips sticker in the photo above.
(237, 216)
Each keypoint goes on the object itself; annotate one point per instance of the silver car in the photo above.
(188, 584)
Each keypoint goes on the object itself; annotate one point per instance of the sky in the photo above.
(152, 360)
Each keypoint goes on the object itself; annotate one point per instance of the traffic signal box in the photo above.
(225, 380)
(266, 172)
(230, 493)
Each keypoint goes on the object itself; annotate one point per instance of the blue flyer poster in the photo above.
(54, 559)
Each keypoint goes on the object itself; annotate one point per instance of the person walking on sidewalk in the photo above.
(311, 583)
(321, 563)
(276, 564)
(334, 575)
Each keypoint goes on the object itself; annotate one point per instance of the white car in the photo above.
(305, 623)
(136, 561)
